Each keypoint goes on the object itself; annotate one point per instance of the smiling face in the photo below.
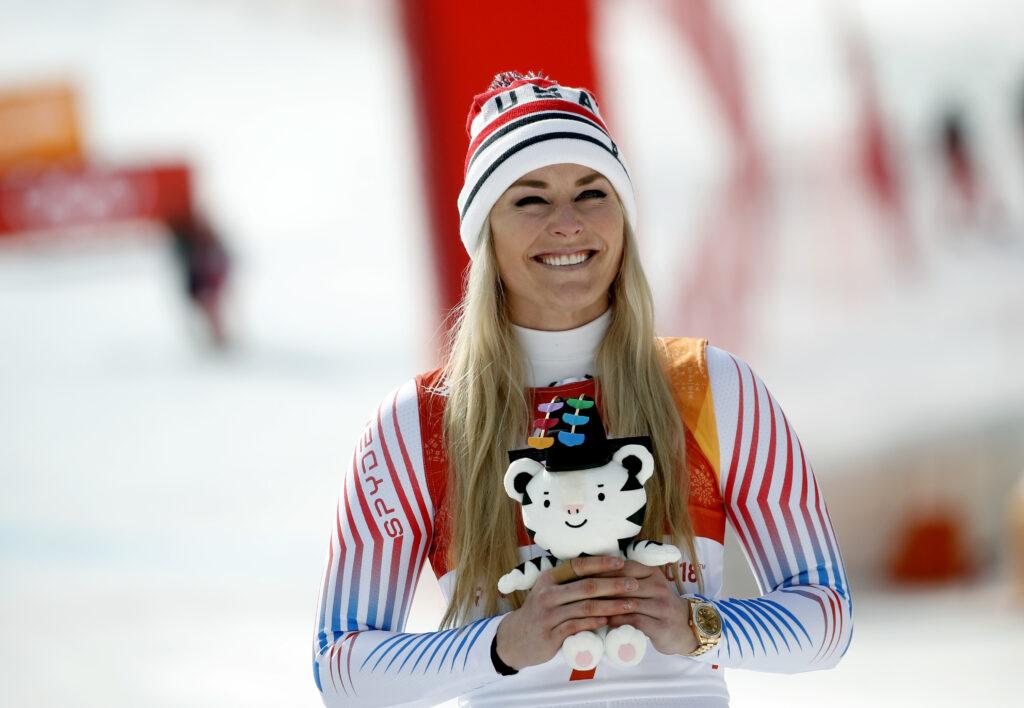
(558, 239)
(583, 511)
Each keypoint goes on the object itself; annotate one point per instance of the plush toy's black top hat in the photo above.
(570, 436)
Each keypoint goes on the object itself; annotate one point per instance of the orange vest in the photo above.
(687, 372)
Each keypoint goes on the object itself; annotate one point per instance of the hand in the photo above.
(534, 633)
(660, 613)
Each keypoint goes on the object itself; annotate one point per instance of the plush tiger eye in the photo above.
(600, 496)
(547, 503)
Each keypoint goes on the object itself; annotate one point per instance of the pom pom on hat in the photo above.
(507, 78)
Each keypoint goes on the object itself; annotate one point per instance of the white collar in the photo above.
(554, 356)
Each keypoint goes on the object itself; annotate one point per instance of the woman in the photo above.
(557, 304)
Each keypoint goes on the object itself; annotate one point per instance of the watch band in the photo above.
(702, 648)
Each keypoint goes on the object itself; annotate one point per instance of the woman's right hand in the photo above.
(534, 633)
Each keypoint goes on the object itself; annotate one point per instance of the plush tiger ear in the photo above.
(638, 461)
(518, 475)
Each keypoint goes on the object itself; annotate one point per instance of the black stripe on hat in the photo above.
(527, 143)
(526, 120)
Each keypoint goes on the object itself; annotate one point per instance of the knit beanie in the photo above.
(522, 123)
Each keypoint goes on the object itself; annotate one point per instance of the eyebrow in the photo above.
(540, 184)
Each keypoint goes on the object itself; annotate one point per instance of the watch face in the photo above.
(708, 621)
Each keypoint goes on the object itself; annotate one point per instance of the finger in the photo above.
(634, 619)
(593, 587)
(646, 607)
(592, 565)
(593, 607)
(580, 567)
(651, 588)
(656, 587)
(639, 569)
(563, 573)
(634, 570)
(573, 626)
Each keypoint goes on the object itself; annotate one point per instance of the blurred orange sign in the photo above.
(38, 126)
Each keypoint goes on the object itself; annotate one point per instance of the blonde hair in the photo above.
(487, 414)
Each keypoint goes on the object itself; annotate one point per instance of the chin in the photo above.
(575, 304)
(576, 294)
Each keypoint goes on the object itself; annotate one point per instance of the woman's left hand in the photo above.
(658, 611)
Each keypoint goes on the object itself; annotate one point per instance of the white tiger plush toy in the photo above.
(582, 494)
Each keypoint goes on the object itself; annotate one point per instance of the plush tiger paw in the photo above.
(524, 575)
(514, 580)
(625, 645)
(583, 650)
(651, 553)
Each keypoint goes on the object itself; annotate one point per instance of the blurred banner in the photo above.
(94, 195)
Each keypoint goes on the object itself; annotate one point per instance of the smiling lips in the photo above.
(575, 527)
(564, 259)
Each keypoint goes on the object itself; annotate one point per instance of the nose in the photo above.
(565, 222)
(573, 508)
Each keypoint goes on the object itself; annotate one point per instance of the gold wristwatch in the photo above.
(706, 623)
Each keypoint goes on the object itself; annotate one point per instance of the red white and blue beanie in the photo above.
(522, 123)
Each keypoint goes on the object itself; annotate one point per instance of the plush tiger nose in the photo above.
(573, 508)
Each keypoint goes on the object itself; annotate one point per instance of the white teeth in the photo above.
(568, 259)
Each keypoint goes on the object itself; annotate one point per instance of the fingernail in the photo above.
(617, 563)
(631, 585)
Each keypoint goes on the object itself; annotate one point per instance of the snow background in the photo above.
(165, 516)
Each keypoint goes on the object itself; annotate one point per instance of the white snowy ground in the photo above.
(165, 512)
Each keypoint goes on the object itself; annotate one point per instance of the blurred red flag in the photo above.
(454, 51)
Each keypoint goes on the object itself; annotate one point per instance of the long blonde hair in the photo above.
(487, 414)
